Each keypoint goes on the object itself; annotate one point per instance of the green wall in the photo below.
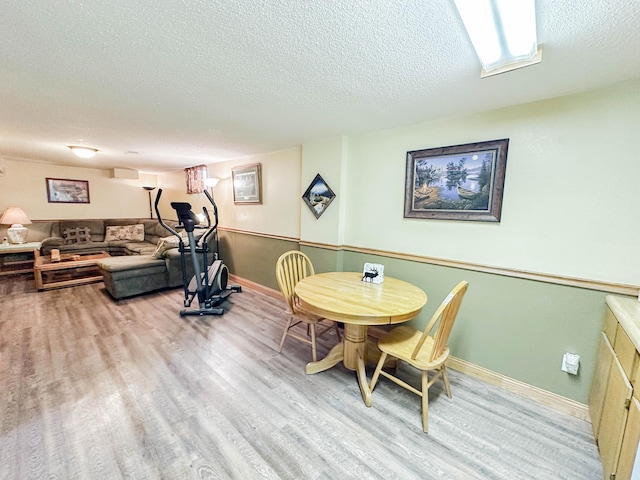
(530, 323)
(253, 257)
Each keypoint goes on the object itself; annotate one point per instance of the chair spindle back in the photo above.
(447, 312)
(292, 267)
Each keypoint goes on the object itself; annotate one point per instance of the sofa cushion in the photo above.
(139, 248)
(96, 227)
(125, 232)
(164, 244)
(84, 247)
(132, 265)
(76, 235)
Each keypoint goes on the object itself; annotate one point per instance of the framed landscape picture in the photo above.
(247, 188)
(461, 182)
(60, 190)
(318, 196)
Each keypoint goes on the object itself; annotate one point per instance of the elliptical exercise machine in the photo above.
(210, 285)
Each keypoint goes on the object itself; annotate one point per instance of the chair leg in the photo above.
(335, 325)
(314, 353)
(284, 335)
(396, 367)
(445, 377)
(376, 374)
(425, 401)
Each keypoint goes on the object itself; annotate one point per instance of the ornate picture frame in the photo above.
(318, 196)
(461, 182)
(62, 190)
(247, 184)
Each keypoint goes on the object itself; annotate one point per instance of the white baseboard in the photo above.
(553, 400)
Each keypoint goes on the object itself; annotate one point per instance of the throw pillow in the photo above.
(76, 235)
(164, 244)
(124, 232)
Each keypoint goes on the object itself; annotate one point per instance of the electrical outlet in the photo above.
(570, 363)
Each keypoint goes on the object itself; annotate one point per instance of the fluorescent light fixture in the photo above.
(503, 33)
(83, 152)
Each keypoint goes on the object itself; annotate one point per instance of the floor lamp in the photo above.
(149, 190)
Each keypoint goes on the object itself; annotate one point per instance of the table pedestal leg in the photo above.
(355, 356)
(335, 356)
(364, 384)
(355, 338)
(352, 352)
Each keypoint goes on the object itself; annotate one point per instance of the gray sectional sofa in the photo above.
(90, 236)
(144, 255)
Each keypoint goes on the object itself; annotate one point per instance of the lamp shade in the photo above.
(16, 217)
(211, 181)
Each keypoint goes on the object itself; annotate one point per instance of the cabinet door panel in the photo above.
(629, 442)
(635, 380)
(614, 417)
(625, 350)
(604, 361)
(610, 325)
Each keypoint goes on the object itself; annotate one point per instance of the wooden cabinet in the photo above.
(615, 415)
(630, 441)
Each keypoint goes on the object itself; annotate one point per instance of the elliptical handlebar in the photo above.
(159, 217)
(211, 228)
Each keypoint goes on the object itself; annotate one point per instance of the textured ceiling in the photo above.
(166, 84)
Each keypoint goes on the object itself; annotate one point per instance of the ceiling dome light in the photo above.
(83, 152)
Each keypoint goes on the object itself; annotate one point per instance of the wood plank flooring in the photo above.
(91, 388)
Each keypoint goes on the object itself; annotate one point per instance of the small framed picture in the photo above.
(318, 196)
(247, 188)
(60, 190)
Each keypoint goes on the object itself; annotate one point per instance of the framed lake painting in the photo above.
(461, 182)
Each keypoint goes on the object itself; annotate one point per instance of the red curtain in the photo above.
(195, 178)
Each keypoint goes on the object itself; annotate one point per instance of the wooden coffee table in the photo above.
(71, 269)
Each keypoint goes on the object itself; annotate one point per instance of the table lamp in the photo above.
(16, 217)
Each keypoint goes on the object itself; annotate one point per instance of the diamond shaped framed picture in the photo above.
(318, 196)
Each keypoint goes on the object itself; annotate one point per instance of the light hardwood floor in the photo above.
(91, 388)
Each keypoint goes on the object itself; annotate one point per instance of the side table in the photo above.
(17, 257)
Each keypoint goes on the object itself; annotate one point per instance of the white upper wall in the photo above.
(571, 195)
(23, 184)
(279, 213)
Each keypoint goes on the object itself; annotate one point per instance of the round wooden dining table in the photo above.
(345, 297)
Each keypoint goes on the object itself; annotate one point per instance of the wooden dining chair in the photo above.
(421, 350)
(292, 267)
